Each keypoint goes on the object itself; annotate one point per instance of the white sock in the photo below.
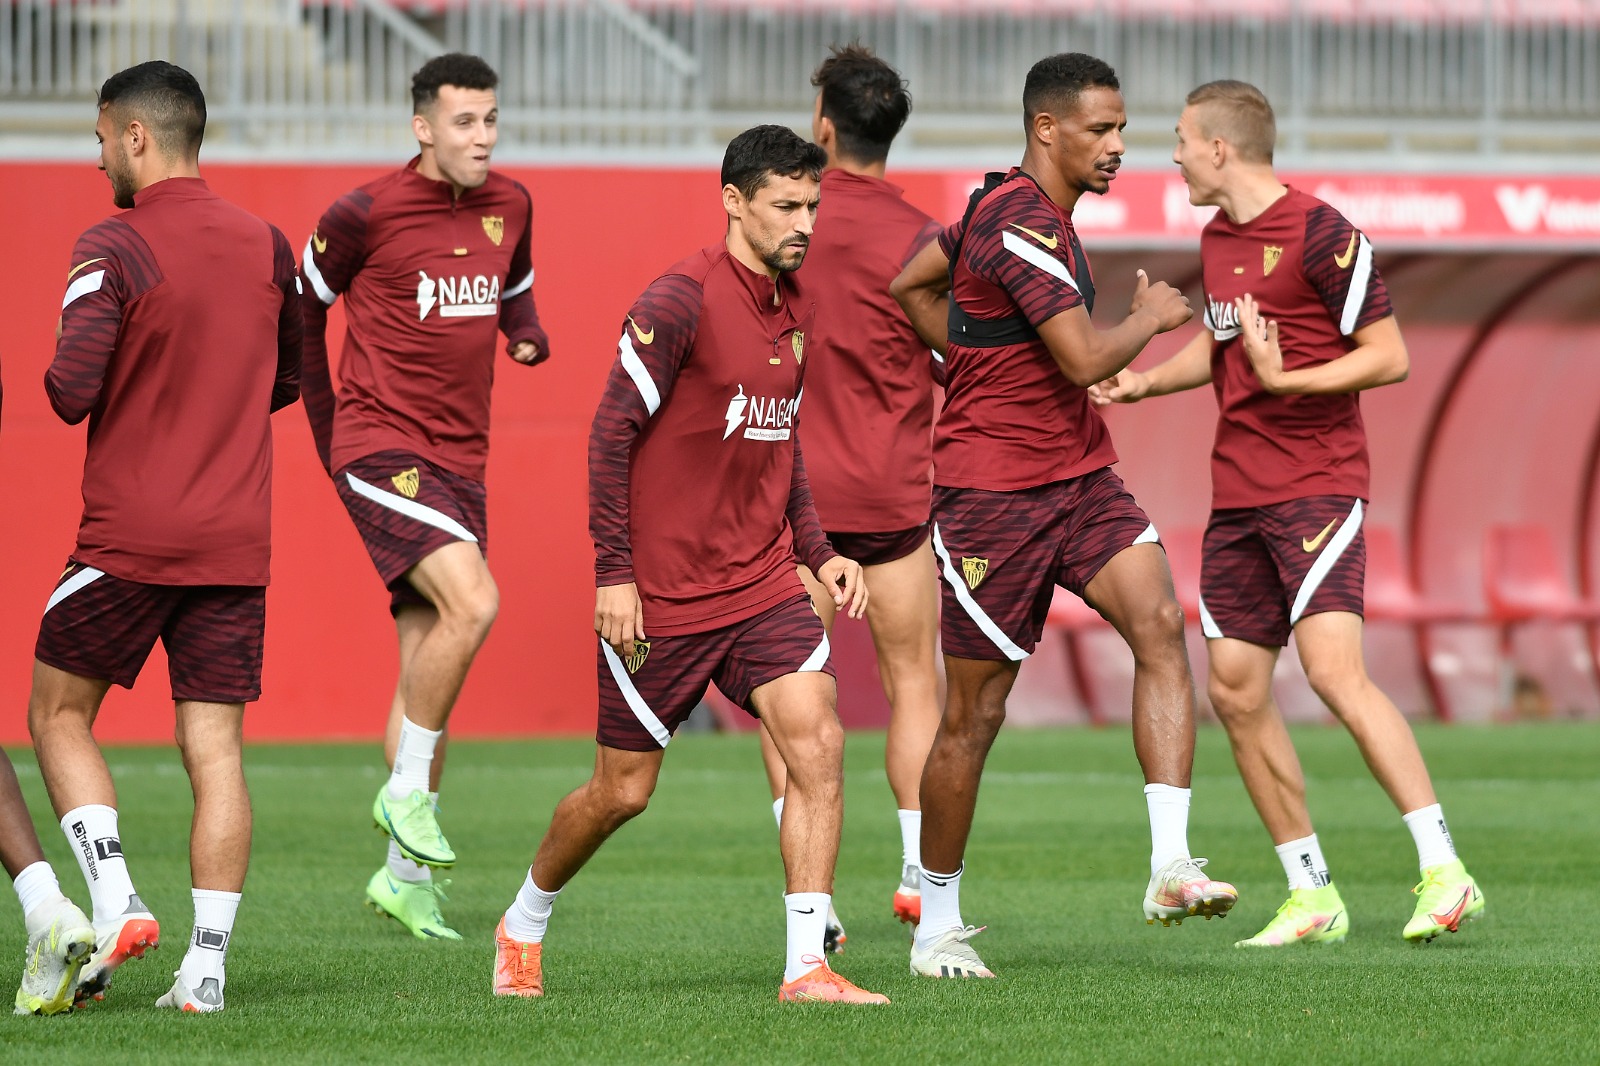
(808, 923)
(911, 838)
(1169, 824)
(777, 811)
(403, 869)
(413, 759)
(941, 905)
(35, 884)
(529, 914)
(213, 929)
(1434, 846)
(91, 830)
(1303, 863)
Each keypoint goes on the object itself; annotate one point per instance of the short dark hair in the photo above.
(166, 98)
(1239, 113)
(1055, 82)
(452, 68)
(762, 151)
(865, 98)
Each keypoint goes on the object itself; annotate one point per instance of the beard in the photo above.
(782, 259)
(121, 184)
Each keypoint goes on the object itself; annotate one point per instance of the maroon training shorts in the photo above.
(1262, 569)
(103, 627)
(875, 549)
(405, 509)
(1001, 554)
(644, 698)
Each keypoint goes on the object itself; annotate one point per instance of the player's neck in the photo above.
(163, 170)
(746, 256)
(428, 167)
(1250, 195)
(1060, 191)
(851, 166)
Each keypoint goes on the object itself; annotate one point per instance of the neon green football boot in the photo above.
(1308, 916)
(414, 825)
(1446, 897)
(414, 904)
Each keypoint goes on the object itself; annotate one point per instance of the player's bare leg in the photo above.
(61, 713)
(1240, 688)
(413, 623)
(1134, 592)
(456, 581)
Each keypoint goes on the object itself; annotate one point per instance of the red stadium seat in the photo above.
(1391, 597)
(1525, 581)
(1076, 618)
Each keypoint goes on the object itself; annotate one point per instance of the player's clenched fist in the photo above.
(843, 578)
(1167, 305)
(619, 616)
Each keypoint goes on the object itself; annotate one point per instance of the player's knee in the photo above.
(977, 721)
(624, 799)
(476, 609)
(1339, 685)
(1234, 702)
(816, 759)
(1158, 628)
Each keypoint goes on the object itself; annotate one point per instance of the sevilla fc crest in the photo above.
(495, 227)
(974, 570)
(1269, 258)
(407, 482)
(798, 342)
(641, 652)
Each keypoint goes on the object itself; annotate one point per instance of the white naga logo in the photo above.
(458, 297)
(1222, 318)
(763, 417)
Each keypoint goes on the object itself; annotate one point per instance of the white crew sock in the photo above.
(1303, 863)
(413, 759)
(777, 811)
(808, 922)
(529, 914)
(1434, 846)
(911, 838)
(941, 905)
(403, 869)
(91, 830)
(35, 884)
(1169, 824)
(208, 945)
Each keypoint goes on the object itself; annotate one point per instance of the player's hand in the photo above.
(619, 616)
(843, 578)
(1129, 386)
(1169, 307)
(527, 353)
(1260, 338)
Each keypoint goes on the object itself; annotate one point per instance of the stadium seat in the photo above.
(1391, 598)
(1525, 582)
(1076, 619)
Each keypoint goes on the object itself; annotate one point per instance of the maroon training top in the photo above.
(1011, 419)
(180, 334)
(427, 278)
(697, 491)
(1312, 271)
(869, 382)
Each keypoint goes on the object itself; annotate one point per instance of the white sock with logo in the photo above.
(808, 924)
(91, 832)
(1303, 863)
(208, 945)
(941, 905)
(1169, 824)
(36, 885)
(413, 759)
(1432, 836)
(529, 914)
(911, 838)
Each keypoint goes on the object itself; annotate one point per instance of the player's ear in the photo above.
(424, 132)
(733, 201)
(1043, 126)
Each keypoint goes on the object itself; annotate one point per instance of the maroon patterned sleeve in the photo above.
(1018, 245)
(519, 318)
(333, 256)
(656, 338)
(930, 231)
(1338, 264)
(811, 545)
(291, 334)
(948, 237)
(111, 267)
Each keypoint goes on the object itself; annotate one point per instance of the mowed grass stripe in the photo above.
(667, 948)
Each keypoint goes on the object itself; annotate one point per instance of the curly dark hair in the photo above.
(758, 153)
(1055, 82)
(453, 68)
(865, 98)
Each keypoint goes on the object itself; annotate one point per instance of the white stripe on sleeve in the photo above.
(308, 267)
(641, 377)
(520, 287)
(1037, 256)
(83, 286)
(1360, 282)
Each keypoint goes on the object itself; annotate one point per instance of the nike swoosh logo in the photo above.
(1313, 927)
(1316, 542)
(644, 337)
(89, 262)
(1451, 919)
(1349, 255)
(808, 910)
(1049, 242)
(319, 243)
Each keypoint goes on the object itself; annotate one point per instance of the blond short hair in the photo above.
(1237, 112)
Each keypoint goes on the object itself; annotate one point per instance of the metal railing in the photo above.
(1476, 83)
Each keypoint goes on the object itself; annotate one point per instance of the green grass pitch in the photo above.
(668, 947)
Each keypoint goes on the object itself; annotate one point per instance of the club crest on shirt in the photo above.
(797, 341)
(641, 652)
(1269, 258)
(974, 570)
(407, 482)
(494, 227)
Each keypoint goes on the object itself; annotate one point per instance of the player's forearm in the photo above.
(1189, 369)
(929, 314)
(611, 438)
(1366, 367)
(519, 321)
(316, 383)
(811, 545)
(1104, 354)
